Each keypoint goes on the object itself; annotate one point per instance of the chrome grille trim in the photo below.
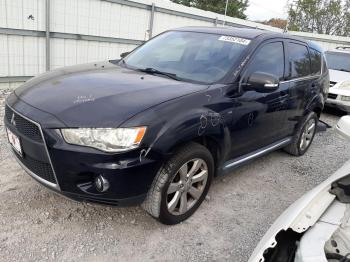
(36, 177)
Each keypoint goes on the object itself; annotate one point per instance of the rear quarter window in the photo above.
(316, 62)
(299, 60)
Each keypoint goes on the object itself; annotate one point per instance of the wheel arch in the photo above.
(213, 135)
(316, 105)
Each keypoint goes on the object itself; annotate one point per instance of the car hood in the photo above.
(302, 214)
(99, 94)
(338, 76)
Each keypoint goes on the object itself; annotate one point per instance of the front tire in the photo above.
(181, 184)
(303, 136)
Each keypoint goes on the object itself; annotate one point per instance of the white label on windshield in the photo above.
(233, 39)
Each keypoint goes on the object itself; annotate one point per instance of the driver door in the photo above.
(259, 119)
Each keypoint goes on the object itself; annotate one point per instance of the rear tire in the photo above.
(180, 185)
(303, 136)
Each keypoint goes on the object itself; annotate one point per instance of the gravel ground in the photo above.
(38, 225)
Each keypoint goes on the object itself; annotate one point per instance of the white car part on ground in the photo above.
(302, 214)
(339, 243)
(311, 246)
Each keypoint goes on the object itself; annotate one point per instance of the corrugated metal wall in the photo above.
(92, 30)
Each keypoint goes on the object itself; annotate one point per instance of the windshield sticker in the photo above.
(233, 39)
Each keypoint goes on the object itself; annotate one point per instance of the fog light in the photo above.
(101, 184)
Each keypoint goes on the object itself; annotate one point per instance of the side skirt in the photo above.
(239, 161)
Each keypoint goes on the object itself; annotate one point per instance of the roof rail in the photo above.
(342, 47)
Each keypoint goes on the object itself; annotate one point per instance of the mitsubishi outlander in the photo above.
(156, 126)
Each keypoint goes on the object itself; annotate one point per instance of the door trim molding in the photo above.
(236, 162)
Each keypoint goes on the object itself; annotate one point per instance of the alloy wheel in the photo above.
(187, 186)
(307, 134)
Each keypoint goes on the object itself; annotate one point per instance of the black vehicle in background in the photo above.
(156, 126)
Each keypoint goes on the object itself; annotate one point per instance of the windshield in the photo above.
(189, 56)
(338, 61)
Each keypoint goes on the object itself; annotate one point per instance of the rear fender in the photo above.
(316, 102)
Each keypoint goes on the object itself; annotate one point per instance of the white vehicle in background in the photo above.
(338, 62)
(315, 228)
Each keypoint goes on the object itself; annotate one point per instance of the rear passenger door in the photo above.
(303, 76)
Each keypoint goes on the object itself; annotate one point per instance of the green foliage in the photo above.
(320, 16)
(235, 8)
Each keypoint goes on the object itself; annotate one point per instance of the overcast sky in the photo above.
(266, 9)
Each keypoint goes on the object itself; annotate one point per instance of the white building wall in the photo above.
(98, 18)
(25, 55)
(21, 55)
(14, 14)
(65, 52)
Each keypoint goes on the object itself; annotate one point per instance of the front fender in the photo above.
(189, 126)
(205, 114)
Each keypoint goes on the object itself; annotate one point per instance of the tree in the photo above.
(320, 16)
(235, 8)
(276, 22)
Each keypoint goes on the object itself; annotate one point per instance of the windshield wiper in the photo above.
(150, 70)
(344, 70)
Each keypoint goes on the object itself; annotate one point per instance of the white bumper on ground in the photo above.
(302, 214)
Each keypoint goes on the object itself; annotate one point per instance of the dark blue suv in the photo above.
(156, 126)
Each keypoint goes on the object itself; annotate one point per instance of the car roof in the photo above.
(248, 33)
(315, 46)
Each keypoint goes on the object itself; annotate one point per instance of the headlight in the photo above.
(105, 139)
(345, 98)
(345, 84)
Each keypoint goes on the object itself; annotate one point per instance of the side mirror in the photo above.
(262, 82)
(122, 55)
(343, 127)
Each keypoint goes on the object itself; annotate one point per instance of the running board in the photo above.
(232, 164)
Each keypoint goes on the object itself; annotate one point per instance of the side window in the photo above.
(299, 60)
(316, 62)
(269, 59)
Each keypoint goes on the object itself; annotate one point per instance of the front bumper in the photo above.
(71, 170)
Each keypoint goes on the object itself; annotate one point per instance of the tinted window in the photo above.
(299, 60)
(338, 61)
(269, 59)
(316, 62)
(191, 56)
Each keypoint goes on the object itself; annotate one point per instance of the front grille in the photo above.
(331, 83)
(28, 129)
(23, 126)
(332, 96)
(39, 168)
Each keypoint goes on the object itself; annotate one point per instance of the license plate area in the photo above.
(14, 141)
